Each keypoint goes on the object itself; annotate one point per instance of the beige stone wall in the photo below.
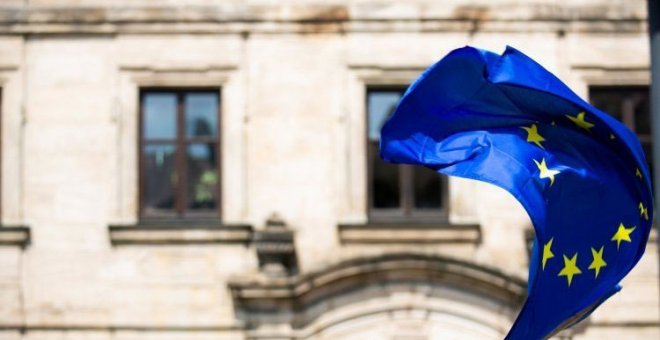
(293, 79)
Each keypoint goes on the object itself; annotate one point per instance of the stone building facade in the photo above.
(130, 210)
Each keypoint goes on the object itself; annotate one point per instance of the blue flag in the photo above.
(580, 174)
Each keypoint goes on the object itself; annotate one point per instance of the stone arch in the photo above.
(429, 290)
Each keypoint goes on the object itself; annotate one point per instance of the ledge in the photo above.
(179, 233)
(68, 327)
(409, 233)
(14, 236)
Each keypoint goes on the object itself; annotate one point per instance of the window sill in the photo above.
(408, 233)
(18, 236)
(180, 233)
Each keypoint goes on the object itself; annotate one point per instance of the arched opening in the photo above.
(393, 296)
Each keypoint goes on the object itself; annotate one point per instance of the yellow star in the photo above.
(598, 261)
(643, 211)
(545, 172)
(580, 122)
(638, 173)
(570, 268)
(622, 234)
(547, 252)
(533, 135)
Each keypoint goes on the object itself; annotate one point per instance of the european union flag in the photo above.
(580, 174)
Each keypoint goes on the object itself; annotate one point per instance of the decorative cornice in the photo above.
(276, 248)
(317, 18)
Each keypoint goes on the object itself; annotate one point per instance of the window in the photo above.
(179, 153)
(398, 192)
(631, 105)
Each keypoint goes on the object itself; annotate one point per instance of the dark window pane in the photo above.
(642, 113)
(629, 104)
(159, 116)
(380, 105)
(648, 151)
(201, 114)
(633, 102)
(385, 181)
(202, 177)
(159, 177)
(608, 101)
(428, 188)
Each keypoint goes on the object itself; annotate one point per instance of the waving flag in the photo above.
(580, 174)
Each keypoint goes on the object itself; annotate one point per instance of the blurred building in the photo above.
(206, 169)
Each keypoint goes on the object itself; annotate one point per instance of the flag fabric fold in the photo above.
(580, 174)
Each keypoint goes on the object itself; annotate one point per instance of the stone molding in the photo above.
(318, 18)
(118, 331)
(38, 327)
(626, 324)
(300, 300)
(409, 233)
(182, 233)
(15, 236)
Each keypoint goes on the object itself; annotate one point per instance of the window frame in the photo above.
(180, 211)
(406, 212)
